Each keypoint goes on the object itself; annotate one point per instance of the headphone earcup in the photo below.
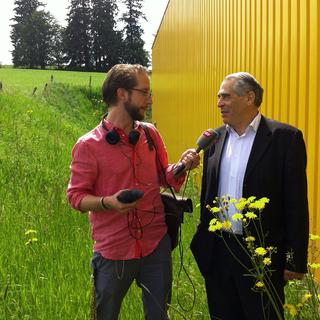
(134, 136)
(112, 137)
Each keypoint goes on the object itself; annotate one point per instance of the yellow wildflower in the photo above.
(259, 204)
(250, 239)
(213, 221)
(30, 241)
(215, 209)
(259, 284)
(237, 217)
(217, 225)
(267, 261)
(306, 297)
(265, 200)
(291, 309)
(260, 251)
(227, 225)
(30, 231)
(241, 205)
(251, 215)
(251, 199)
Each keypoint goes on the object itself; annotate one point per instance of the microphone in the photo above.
(207, 139)
(131, 195)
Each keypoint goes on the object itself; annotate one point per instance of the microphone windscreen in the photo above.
(206, 139)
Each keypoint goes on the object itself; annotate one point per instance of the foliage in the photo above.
(303, 297)
(247, 213)
(77, 37)
(90, 41)
(133, 42)
(107, 44)
(304, 293)
(35, 36)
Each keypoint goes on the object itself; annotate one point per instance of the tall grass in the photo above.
(46, 274)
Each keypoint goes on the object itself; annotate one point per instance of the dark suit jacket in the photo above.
(276, 169)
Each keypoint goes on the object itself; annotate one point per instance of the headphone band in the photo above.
(113, 137)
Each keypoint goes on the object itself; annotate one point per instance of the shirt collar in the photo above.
(254, 124)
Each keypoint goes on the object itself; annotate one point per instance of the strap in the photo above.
(148, 136)
(152, 146)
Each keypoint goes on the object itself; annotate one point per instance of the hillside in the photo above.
(45, 245)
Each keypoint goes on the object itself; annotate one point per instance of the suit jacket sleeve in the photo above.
(296, 205)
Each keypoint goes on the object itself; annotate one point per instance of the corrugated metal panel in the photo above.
(200, 41)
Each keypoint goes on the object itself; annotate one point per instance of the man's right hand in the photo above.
(112, 202)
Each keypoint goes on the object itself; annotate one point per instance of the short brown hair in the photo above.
(120, 76)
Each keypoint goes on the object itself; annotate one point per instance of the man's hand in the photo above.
(190, 159)
(290, 275)
(113, 203)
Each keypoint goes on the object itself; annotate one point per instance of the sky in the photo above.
(153, 10)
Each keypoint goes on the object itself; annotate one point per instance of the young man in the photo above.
(131, 241)
(258, 157)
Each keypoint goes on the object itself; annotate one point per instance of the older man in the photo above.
(258, 157)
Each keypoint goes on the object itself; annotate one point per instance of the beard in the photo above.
(133, 111)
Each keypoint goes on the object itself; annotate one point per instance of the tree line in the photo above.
(91, 41)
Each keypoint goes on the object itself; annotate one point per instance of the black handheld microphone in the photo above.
(207, 138)
(131, 195)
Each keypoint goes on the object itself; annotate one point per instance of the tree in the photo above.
(77, 35)
(134, 51)
(57, 55)
(32, 35)
(107, 42)
(23, 10)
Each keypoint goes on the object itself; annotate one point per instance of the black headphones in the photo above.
(113, 137)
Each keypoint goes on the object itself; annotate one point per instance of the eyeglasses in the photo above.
(145, 93)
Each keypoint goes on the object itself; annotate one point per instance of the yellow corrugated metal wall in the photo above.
(201, 41)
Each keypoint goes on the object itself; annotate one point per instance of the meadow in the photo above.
(45, 245)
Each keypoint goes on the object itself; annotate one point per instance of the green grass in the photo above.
(25, 80)
(49, 278)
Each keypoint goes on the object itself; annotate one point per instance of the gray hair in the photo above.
(246, 82)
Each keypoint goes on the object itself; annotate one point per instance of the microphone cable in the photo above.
(182, 267)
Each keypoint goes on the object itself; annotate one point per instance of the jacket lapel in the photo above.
(214, 162)
(260, 144)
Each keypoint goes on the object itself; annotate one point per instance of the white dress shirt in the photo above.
(233, 166)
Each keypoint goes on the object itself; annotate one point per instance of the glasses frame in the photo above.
(143, 92)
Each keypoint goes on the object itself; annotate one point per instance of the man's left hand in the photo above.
(190, 159)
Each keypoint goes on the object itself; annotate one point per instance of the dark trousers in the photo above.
(229, 288)
(153, 274)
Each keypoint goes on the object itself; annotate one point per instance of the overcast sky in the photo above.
(153, 10)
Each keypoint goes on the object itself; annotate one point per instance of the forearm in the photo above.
(93, 203)
(100, 204)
